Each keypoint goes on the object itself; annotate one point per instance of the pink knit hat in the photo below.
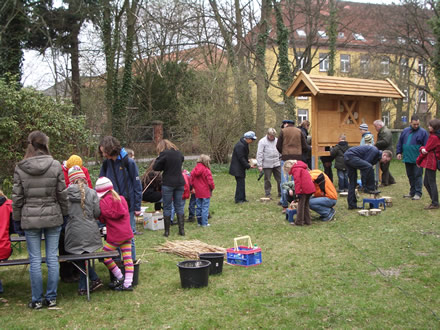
(103, 185)
(76, 173)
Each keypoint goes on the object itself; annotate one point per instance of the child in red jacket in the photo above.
(114, 213)
(304, 188)
(201, 180)
(5, 229)
(428, 160)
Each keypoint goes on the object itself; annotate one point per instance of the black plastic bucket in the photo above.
(122, 268)
(194, 273)
(216, 260)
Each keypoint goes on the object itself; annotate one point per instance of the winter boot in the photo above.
(180, 220)
(167, 223)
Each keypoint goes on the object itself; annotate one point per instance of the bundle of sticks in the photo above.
(189, 249)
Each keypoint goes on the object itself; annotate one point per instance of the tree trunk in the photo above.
(74, 62)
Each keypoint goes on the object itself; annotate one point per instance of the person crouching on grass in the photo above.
(304, 188)
(115, 214)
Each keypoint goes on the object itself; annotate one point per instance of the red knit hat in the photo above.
(76, 173)
(103, 185)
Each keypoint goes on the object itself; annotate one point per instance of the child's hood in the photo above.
(198, 170)
(300, 164)
(73, 193)
(343, 143)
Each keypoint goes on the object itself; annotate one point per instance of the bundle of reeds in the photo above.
(189, 249)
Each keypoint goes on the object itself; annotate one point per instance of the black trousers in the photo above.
(240, 189)
(431, 185)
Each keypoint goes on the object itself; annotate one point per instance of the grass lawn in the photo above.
(355, 272)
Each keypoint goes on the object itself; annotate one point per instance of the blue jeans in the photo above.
(133, 228)
(1, 287)
(192, 206)
(82, 278)
(342, 179)
(173, 211)
(322, 205)
(172, 196)
(415, 177)
(367, 172)
(33, 242)
(203, 210)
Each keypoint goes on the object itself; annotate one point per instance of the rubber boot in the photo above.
(180, 221)
(167, 223)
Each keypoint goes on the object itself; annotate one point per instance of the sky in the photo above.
(38, 70)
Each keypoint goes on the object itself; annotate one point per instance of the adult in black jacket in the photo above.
(152, 187)
(240, 163)
(170, 163)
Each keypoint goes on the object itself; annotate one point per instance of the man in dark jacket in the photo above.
(384, 142)
(239, 165)
(363, 158)
(407, 150)
(124, 174)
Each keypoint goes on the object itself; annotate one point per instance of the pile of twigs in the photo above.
(189, 249)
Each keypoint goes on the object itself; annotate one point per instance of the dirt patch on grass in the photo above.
(387, 272)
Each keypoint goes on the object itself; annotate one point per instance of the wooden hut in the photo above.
(340, 105)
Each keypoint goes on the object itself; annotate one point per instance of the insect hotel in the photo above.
(340, 105)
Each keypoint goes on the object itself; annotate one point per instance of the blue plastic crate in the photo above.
(244, 256)
(290, 213)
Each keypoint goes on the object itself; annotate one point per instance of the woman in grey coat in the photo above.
(82, 232)
(39, 202)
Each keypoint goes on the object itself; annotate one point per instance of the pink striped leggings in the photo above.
(125, 247)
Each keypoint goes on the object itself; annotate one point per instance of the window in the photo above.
(365, 63)
(322, 34)
(303, 114)
(323, 62)
(302, 97)
(421, 68)
(382, 39)
(401, 40)
(422, 96)
(300, 60)
(345, 63)
(405, 99)
(386, 118)
(341, 35)
(385, 65)
(301, 33)
(403, 66)
(359, 37)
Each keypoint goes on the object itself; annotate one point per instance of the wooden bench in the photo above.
(73, 258)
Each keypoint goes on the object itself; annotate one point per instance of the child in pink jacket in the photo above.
(304, 188)
(114, 213)
(203, 184)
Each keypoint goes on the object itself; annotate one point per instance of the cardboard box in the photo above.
(153, 220)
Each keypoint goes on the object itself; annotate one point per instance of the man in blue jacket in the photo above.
(363, 158)
(124, 174)
(410, 140)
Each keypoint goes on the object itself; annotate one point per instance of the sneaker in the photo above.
(354, 207)
(408, 196)
(431, 207)
(331, 216)
(95, 285)
(191, 219)
(207, 225)
(123, 288)
(35, 305)
(50, 302)
(82, 292)
(416, 197)
(115, 283)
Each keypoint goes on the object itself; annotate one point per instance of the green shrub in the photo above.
(25, 110)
